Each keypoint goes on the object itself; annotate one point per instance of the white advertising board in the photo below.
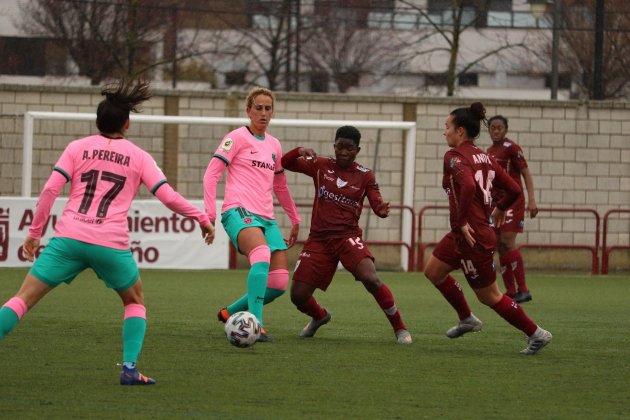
(159, 238)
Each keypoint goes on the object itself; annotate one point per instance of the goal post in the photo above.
(409, 151)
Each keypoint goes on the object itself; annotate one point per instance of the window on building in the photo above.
(468, 79)
(475, 12)
(435, 79)
(352, 12)
(320, 82)
(235, 78)
(564, 81)
(31, 57)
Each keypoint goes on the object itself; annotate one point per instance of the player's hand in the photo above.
(498, 217)
(295, 229)
(207, 232)
(382, 208)
(532, 208)
(308, 154)
(468, 234)
(29, 248)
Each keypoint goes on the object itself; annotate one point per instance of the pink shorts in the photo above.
(477, 263)
(317, 263)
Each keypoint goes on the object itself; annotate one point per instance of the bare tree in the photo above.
(110, 38)
(462, 16)
(343, 51)
(578, 34)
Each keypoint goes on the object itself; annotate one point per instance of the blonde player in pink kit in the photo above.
(105, 172)
(252, 158)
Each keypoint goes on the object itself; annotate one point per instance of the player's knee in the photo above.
(371, 282)
(261, 253)
(298, 298)
(278, 279)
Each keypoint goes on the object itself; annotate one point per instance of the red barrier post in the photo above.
(606, 250)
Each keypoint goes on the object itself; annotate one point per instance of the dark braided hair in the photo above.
(470, 118)
(121, 98)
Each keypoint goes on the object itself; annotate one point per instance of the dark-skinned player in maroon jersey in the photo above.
(335, 236)
(469, 176)
(510, 156)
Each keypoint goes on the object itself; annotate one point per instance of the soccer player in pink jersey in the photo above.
(510, 156)
(105, 172)
(469, 176)
(252, 158)
(341, 185)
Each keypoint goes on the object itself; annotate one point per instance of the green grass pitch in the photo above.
(62, 360)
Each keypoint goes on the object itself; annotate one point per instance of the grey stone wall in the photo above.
(578, 153)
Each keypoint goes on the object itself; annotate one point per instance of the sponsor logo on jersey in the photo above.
(330, 171)
(339, 198)
(265, 165)
(506, 144)
(362, 169)
(227, 144)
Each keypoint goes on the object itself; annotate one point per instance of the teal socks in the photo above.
(256, 285)
(8, 320)
(133, 332)
(241, 303)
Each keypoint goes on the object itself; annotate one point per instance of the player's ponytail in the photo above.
(121, 98)
(470, 119)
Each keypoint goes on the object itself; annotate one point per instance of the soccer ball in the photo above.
(242, 329)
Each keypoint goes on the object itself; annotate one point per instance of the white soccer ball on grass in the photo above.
(242, 329)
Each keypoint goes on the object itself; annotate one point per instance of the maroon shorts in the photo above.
(515, 216)
(317, 263)
(477, 263)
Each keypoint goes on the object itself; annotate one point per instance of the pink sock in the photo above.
(17, 305)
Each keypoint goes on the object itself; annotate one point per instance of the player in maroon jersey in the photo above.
(510, 156)
(469, 175)
(335, 236)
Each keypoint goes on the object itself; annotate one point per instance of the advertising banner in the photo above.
(159, 238)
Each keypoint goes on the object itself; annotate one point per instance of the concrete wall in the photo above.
(578, 153)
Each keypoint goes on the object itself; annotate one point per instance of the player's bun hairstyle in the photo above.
(348, 132)
(121, 98)
(499, 117)
(470, 118)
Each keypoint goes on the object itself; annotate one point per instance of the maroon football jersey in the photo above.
(339, 194)
(510, 156)
(469, 176)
